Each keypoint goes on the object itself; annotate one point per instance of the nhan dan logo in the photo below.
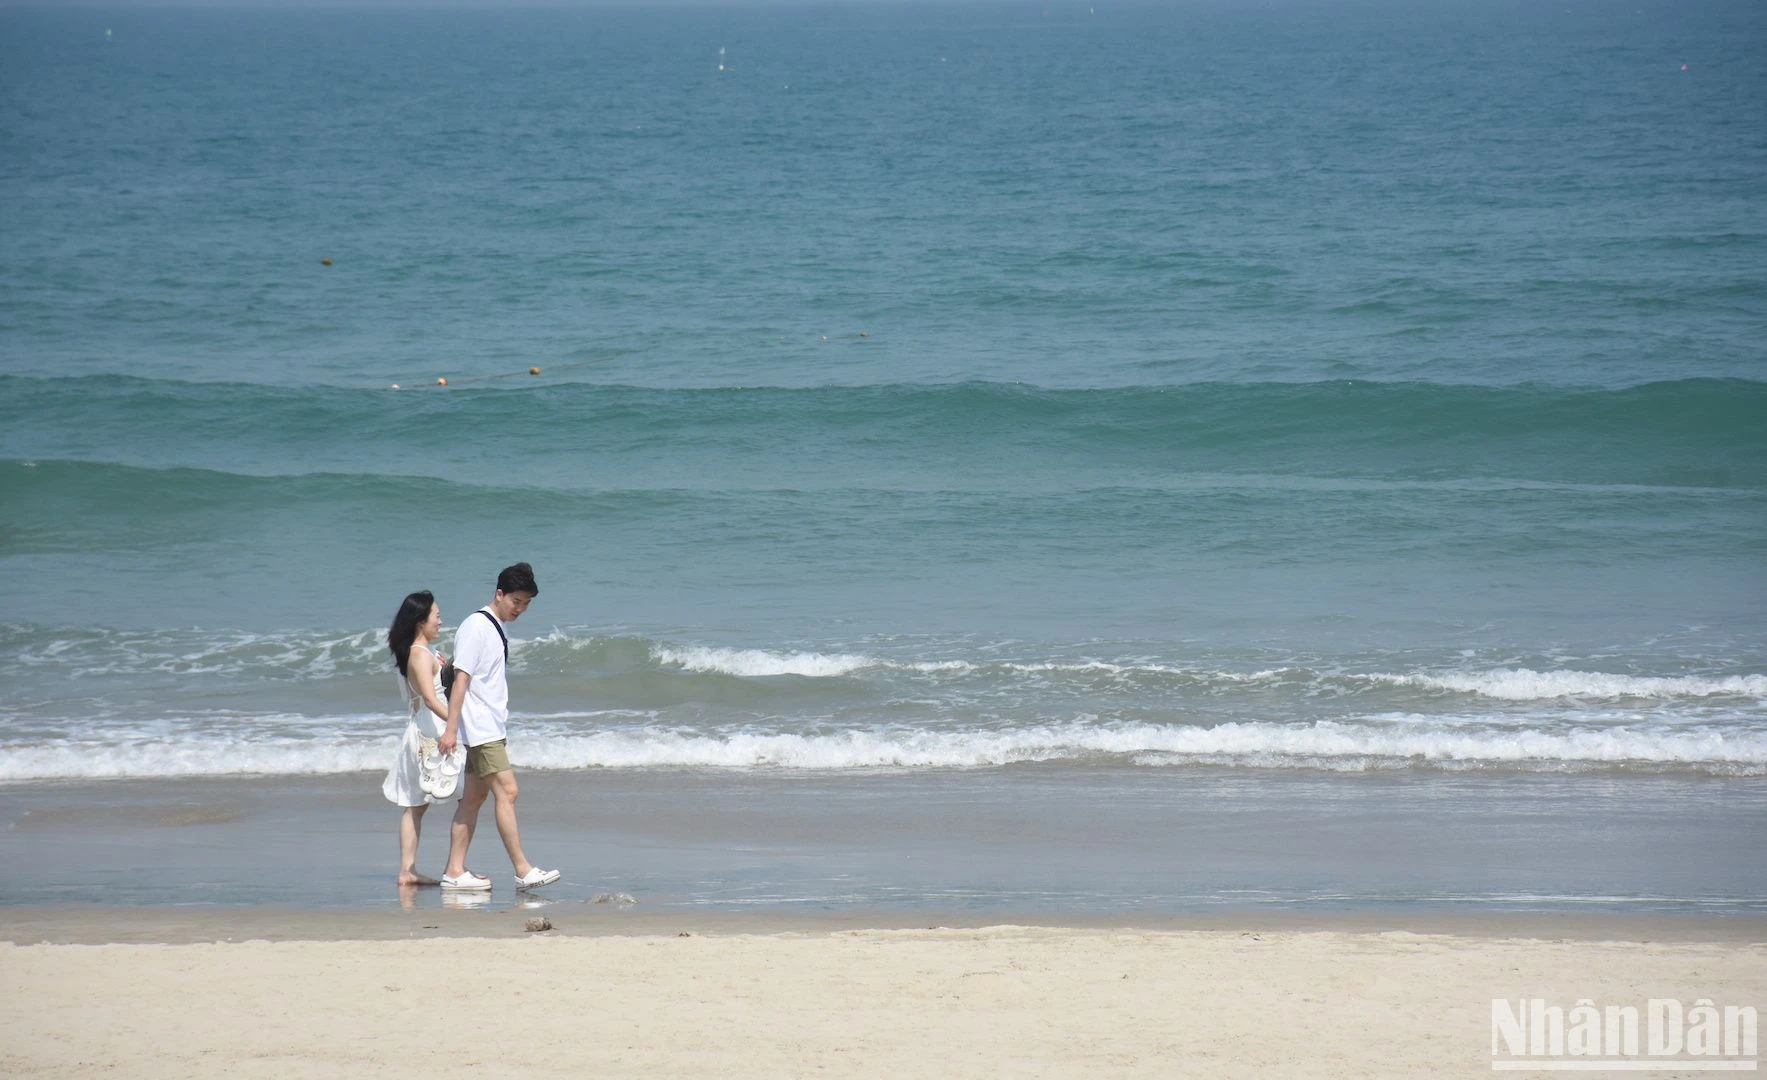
(1534, 1035)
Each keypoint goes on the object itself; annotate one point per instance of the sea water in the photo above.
(1340, 389)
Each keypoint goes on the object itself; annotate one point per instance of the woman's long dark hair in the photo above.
(403, 632)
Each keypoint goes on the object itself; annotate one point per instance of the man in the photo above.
(478, 715)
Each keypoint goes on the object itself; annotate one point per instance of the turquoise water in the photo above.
(1332, 386)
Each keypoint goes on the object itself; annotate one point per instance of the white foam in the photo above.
(1373, 743)
(1431, 742)
(308, 656)
(196, 757)
(750, 663)
(290, 655)
(1523, 684)
(934, 667)
(760, 662)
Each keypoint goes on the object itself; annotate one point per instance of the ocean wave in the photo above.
(750, 663)
(1255, 744)
(1690, 432)
(290, 655)
(1506, 684)
(1356, 747)
(1370, 745)
(561, 655)
(1522, 684)
(196, 756)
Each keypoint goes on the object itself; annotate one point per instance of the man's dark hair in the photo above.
(518, 578)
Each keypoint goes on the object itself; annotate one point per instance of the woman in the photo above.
(415, 626)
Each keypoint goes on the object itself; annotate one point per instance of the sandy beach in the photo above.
(1151, 540)
(937, 924)
(598, 996)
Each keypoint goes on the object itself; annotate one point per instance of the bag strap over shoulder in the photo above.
(500, 633)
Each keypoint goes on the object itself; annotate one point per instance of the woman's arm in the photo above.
(421, 674)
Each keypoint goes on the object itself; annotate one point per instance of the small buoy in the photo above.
(824, 337)
(441, 382)
(1683, 67)
(533, 371)
(395, 386)
(325, 262)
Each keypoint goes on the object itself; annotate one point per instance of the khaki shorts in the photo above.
(488, 759)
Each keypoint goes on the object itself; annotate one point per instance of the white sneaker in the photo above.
(467, 882)
(533, 879)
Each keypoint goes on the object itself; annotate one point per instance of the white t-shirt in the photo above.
(478, 651)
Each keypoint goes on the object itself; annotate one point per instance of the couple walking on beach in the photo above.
(459, 722)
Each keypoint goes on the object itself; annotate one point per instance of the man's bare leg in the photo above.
(503, 785)
(466, 819)
(410, 828)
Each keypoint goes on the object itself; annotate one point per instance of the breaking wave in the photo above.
(303, 656)
(1368, 744)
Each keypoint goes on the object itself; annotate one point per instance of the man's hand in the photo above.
(456, 698)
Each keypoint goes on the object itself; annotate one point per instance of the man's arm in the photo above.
(456, 698)
(470, 649)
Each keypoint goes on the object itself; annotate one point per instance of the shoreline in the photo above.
(1115, 846)
(183, 924)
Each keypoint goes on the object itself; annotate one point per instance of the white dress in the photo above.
(401, 786)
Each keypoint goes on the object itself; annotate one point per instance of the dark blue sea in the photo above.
(1126, 397)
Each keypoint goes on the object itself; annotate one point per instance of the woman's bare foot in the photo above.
(417, 879)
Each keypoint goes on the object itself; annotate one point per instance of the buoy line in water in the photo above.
(443, 381)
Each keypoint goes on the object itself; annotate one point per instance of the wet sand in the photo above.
(994, 845)
(434, 914)
(890, 925)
